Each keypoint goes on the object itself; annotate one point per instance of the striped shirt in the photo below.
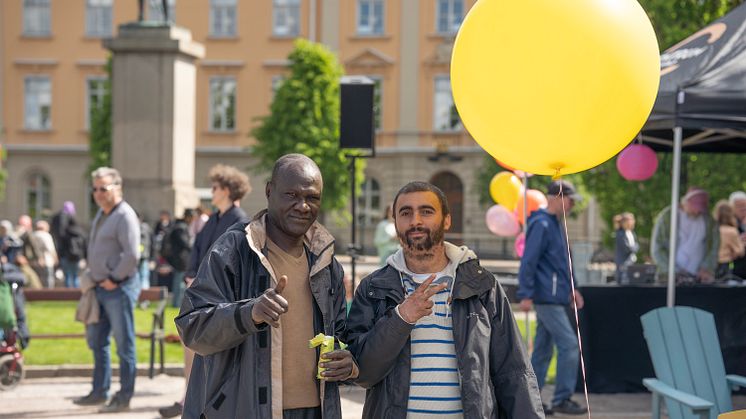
(434, 388)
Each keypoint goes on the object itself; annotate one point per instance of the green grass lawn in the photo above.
(58, 317)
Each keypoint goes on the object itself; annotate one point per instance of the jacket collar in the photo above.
(318, 242)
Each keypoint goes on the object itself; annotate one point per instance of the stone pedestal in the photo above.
(153, 115)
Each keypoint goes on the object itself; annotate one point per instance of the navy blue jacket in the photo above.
(214, 228)
(544, 275)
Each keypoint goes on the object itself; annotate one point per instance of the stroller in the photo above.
(12, 334)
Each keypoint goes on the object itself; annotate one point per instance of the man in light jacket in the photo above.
(278, 270)
(433, 332)
(113, 254)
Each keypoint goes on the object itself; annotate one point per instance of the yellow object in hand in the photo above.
(327, 345)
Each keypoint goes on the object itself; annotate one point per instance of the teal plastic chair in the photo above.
(688, 363)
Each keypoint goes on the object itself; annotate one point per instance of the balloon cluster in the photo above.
(506, 216)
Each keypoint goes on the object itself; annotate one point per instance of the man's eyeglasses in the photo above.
(106, 188)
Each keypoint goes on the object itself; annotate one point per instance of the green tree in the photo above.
(304, 118)
(674, 20)
(99, 136)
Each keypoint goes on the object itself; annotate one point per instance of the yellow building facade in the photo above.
(52, 67)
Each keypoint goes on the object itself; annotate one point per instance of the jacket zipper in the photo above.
(554, 284)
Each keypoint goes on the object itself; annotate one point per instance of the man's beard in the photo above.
(432, 238)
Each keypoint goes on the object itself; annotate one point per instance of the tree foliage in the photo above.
(99, 136)
(674, 20)
(304, 118)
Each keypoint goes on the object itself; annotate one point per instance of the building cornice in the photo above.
(91, 62)
(47, 148)
(35, 62)
(222, 63)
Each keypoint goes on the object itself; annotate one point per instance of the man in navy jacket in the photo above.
(544, 282)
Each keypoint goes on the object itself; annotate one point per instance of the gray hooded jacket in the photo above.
(497, 380)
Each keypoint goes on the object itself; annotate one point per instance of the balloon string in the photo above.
(575, 304)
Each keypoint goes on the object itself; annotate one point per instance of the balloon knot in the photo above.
(557, 175)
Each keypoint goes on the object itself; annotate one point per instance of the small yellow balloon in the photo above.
(506, 189)
(555, 87)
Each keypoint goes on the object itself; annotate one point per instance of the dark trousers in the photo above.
(302, 413)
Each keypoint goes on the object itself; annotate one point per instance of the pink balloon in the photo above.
(502, 222)
(520, 244)
(637, 162)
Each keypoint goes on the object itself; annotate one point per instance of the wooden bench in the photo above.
(156, 335)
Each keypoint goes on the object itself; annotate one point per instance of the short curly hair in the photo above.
(236, 181)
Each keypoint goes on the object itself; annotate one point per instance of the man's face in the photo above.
(691, 208)
(419, 219)
(739, 206)
(105, 192)
(294, 199)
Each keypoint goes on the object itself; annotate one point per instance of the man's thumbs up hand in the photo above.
(271, 305)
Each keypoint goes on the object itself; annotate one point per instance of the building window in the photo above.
(95, 91)
(98, 18)
(36, 18)
(38, 201)
(155, 10)
(445, 116)
(38, 103)
(223, 18)
(286, 18)
(450, 13)
(370, 17)
(276, 83)
(369, 210)
(222, 103)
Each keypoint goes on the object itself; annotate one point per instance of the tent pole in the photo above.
(675, 180)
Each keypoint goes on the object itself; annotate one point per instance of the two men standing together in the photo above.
(430, 333)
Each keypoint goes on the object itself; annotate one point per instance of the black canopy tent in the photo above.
(701, 103)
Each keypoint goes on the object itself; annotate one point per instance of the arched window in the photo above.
(453, 188)
(369, 203)
(38, 196)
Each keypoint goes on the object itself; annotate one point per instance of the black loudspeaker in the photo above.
(356, 127)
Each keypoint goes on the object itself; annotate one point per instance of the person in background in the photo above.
(143, 266)
(70, 241)
(738, 202)
(33, 248)
(731, 246)
(544, 282)
(198, 222)
(175, 248)
(113, 254)
(626, 245)
(229, 186)
(385, 238)
(49, 252)
(697, 244)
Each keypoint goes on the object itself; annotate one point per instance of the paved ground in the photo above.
(52, 398)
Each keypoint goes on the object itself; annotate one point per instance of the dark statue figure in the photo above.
(141, 11)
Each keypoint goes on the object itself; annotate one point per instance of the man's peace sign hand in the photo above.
(418, 304)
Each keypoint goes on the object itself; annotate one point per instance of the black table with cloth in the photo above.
(616, 355)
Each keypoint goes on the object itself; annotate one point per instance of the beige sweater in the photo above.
(731, 246)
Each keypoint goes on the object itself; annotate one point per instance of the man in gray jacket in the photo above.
(278, 270)
(113, 254)
(433, 332)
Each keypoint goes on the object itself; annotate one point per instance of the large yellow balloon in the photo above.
(506, 189)
(555, 87)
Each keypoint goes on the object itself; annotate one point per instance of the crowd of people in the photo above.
(710, 246)
(418, 335)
